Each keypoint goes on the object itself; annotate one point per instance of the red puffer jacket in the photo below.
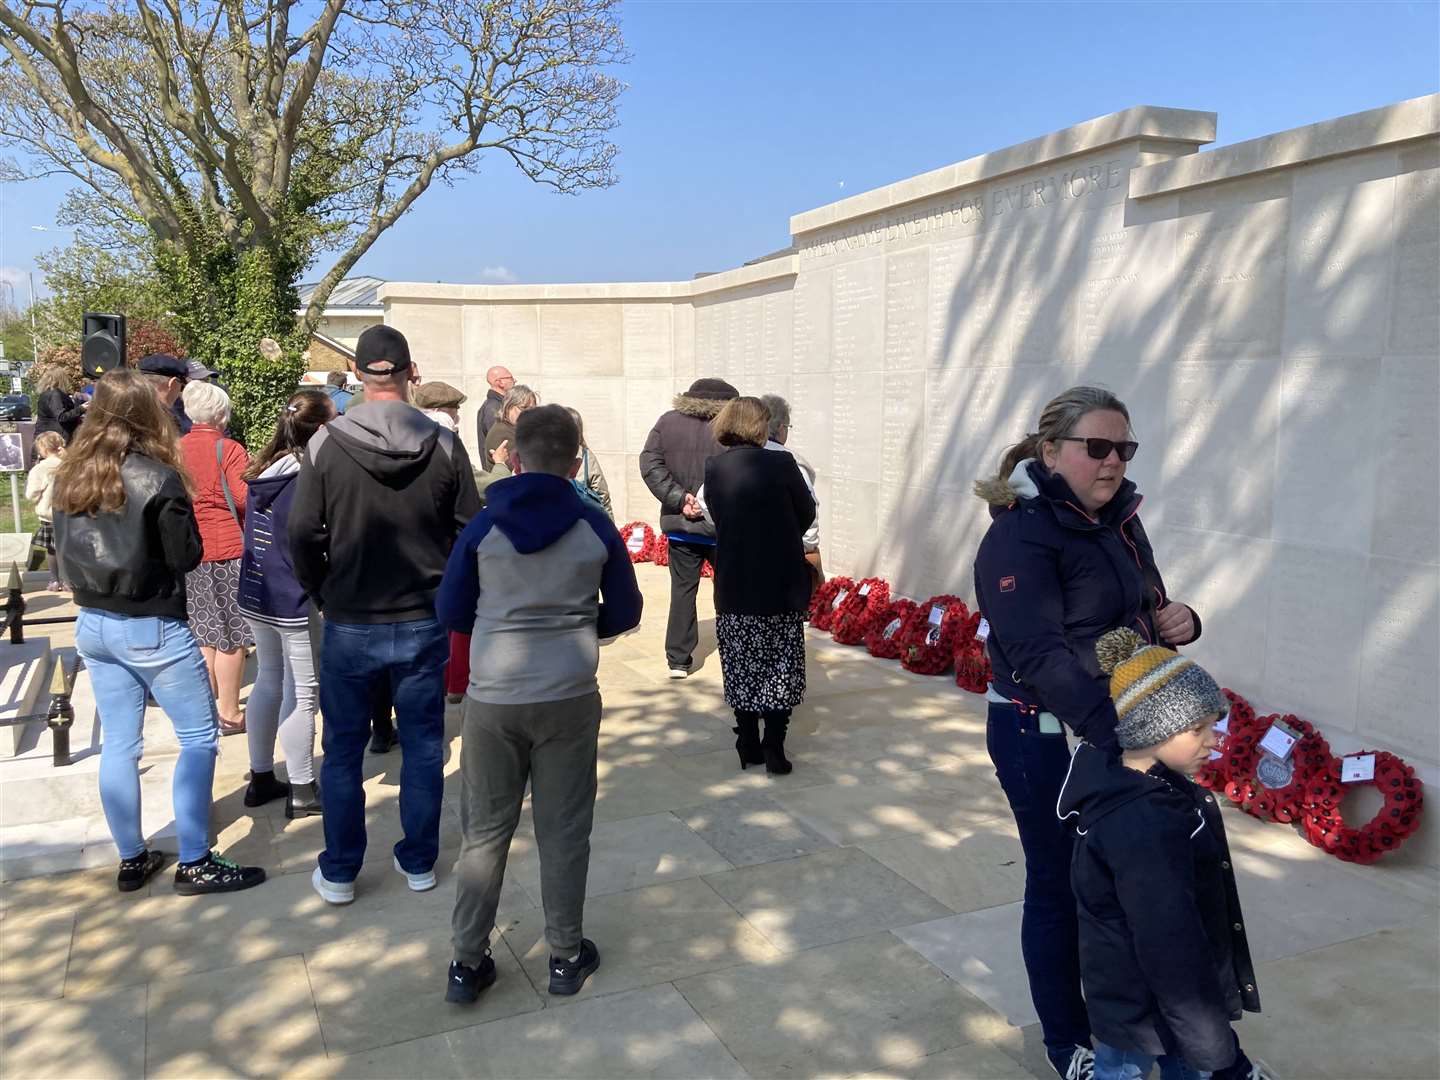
(219, 531)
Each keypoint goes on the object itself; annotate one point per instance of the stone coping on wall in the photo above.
(1147, 122)
(1405, 121)
(786, 266)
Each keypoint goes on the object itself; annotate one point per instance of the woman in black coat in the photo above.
(761, 508)
(55, 409)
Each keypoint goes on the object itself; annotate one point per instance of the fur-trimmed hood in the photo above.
(703, 408)
(1002, 492)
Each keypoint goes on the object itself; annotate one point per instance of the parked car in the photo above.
(15, 407)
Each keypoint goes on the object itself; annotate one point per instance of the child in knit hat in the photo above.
(1163, 954)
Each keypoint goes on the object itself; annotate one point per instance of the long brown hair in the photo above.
(124, 418)
(305, 413)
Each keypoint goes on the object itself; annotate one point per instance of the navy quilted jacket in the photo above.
(1051, 579)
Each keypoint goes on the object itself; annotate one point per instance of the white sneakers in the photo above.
(333, 892)
(679, 673)
(343, 892)
(417, 882)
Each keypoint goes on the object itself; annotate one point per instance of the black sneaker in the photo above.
(214, 874)
(383, 740)
(464, 984)
(134, 873)
(263, 788)
(567, 976)
(1073, 1064)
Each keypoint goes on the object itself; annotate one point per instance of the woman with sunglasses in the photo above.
(1065, 560)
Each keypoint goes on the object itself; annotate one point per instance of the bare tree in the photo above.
(240, 128)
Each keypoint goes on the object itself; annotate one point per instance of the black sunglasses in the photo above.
(1099, 449)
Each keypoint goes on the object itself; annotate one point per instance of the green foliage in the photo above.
(86, 276)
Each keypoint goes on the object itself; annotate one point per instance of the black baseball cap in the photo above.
(171, 367)
(195, 371)
(382, 350)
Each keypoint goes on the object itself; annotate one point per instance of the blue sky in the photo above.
(739, 115)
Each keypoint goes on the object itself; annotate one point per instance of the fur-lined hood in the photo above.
(703, 408)
(1003, 492)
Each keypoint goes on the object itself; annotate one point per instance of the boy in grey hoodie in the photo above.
(537, 578)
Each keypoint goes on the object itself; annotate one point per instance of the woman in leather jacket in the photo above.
(126, 536)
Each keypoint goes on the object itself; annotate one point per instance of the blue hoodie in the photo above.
(526, 578)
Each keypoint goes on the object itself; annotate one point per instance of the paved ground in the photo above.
(859, 917)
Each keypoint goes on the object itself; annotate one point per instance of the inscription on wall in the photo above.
(859, 332)
(979, 208)
(907, 296)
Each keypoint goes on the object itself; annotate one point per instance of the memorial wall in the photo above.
(1270, 311)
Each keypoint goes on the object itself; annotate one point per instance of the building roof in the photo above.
(355, 292)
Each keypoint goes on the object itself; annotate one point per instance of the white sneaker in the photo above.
(417, 882)
(333, 892)
(679, 673)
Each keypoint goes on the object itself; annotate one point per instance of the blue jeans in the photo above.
(411, 656)
(1113, 1064)
(126, 656)
(1031, 767)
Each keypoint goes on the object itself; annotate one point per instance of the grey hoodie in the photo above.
(382, 494)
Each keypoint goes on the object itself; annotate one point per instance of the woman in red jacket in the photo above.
(217, 471)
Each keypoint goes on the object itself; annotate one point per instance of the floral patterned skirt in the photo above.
(762, 660)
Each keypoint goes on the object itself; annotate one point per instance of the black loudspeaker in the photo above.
(104, 345)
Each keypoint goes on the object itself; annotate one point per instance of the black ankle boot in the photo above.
(303, 800)
(747, 738)
(263, 787)
(772, 746)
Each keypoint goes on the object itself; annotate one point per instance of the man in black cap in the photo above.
(167, 375)
(382, 494)
(673, 465)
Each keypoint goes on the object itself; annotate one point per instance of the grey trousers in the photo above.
(553, 745)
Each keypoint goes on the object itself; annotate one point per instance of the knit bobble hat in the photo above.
(1158, 693)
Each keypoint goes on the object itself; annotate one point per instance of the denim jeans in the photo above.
(1031, 767)
(1113, 1064)
(410, 656)
(126, 656)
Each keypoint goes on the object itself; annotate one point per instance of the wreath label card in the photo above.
(839, 599)
(1222, 728)
(865, 589)
(635, 541)
(937, 616)
(932, 636)
(890, 628)
(1280, 739)
(982, 632)
(1357, 768)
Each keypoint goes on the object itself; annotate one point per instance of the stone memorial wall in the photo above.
(1270, 311)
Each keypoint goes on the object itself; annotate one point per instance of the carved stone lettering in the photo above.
(859, 326)
(907, 301)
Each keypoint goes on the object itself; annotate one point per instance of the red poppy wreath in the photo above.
(883, 636)
(639, 541)
(1397, 818)
(929, 635)
(826, 599)
(1270, 786)
(972, 662)
(858, 610)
